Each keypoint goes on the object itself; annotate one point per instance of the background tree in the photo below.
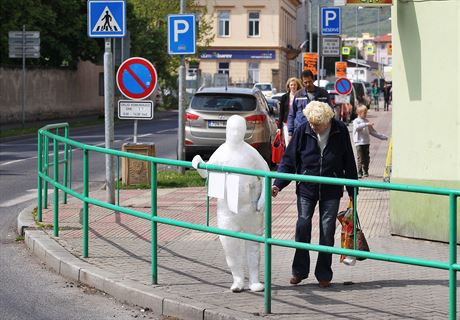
(63, 31)
(151, 41)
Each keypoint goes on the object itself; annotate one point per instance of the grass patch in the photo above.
(33, 128)
(39, 224)
(20, 238)
(172, 179)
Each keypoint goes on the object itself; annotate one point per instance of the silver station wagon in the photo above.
(206, 119)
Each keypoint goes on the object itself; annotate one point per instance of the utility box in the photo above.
(135, 171)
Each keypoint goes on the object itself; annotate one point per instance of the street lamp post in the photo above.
(377, 48)
(357, 42)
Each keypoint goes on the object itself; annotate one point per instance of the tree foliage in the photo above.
(62, 26)
(149, 38)
(64, 39)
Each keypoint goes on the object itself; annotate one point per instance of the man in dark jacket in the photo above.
(320, 146)
(309, 93)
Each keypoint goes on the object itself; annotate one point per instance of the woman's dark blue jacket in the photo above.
(303, 156)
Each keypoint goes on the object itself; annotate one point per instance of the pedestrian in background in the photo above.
(362, 130)
(309, 93)
(386, 96)
(375, 95)
(292, 86)
(321, 146)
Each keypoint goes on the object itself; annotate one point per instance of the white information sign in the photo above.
(342, 98)
(135, 109)
(330, 46)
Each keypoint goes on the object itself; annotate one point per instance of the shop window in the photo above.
(253, 72)
(224, 68)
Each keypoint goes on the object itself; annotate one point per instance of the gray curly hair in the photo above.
(318, 112)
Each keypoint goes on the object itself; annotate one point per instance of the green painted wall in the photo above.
(420, 215)
(426, 113)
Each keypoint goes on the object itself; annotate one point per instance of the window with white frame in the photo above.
(224, 23)
(224, 68)
(254, 21)
(253, 72)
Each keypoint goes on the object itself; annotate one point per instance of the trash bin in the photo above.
(135, 171)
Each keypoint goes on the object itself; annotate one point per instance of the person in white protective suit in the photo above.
(250, 203)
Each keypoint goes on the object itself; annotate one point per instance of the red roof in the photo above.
(383, 38)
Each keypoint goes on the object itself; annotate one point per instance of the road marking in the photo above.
(31, 194)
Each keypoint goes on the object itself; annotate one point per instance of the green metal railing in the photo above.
(52, 132)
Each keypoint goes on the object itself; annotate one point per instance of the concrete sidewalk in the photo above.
(194, 280)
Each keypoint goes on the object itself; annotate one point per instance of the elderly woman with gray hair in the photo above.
(319, 147)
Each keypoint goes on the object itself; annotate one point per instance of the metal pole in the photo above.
(268, 247)
(108, 113)
(318, 63)
(135, 131)
(356, 48)
(23, 73)
(181, 122)
(310, 30)
(377, 48)
(452, 256)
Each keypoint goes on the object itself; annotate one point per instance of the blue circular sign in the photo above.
(136, 78)
(343, 86)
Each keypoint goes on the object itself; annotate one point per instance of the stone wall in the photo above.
(50, 93)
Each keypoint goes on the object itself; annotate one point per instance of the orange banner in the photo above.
(370, 2)
(340, 69)
(310, 61)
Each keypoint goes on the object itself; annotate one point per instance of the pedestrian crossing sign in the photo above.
(106, 19)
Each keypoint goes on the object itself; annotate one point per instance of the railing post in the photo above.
(117, 185)
(452, 257)
(153, 199)
(66, 167)
(355, 207)
(39, 179)
(56, 189)
(85, 204)
(268, 247)
(46, 168)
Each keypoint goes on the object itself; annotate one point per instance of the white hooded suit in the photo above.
(249, 216)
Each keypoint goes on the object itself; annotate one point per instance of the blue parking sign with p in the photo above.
(181, 34)
(330, 21)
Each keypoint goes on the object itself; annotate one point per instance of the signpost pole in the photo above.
(108, 113)
(135, 131)
(318, 42)
(181, 124)
(23, 73)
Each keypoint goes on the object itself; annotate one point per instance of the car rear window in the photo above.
(223, 102)
(263, 87)
(330, 86)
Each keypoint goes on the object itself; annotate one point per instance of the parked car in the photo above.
(277, 96)
(206, 119)
(266, 88)
(361, 93)
(274, 108)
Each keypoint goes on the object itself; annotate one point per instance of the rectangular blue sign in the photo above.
(106, 19)
(181, 34)
(239, 54)
(330, 21)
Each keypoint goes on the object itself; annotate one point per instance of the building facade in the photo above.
(254, 41)
(426, 115)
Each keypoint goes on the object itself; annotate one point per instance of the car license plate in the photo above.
(217, 124)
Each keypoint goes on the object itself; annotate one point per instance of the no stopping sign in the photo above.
(136, 78)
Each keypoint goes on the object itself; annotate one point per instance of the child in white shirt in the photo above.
(362, 130)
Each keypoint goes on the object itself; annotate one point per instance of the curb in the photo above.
(61, 261)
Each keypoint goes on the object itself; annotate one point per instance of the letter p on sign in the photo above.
(330, 16)
(181, 34)
(178, 30)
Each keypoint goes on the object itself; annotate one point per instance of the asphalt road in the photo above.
(28, 290)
